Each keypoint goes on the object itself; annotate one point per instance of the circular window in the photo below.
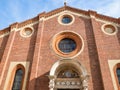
(109, 29)
(26, 32)
(67, 44)
(66, 19)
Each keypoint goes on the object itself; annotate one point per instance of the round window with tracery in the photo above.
(66, 19)
(67, 44)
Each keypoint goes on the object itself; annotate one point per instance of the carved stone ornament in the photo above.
(85, 82)
(52, 82)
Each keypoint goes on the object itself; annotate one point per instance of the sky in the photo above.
(12, 11)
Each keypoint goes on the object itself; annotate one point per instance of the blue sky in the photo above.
(19, 10)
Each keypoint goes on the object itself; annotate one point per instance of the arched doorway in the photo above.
(68, 75)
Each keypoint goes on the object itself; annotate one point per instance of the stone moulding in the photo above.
(65, 83)
(98, 17)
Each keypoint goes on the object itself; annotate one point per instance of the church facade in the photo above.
(64, 49)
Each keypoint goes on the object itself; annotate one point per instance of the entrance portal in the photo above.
(68, 75)
(68, 78)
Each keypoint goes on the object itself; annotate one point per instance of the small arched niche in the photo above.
(68, 75)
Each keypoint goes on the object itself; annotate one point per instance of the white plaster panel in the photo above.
(112, 64)
(11, 67)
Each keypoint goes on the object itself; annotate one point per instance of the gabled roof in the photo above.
(100, 16)
(58, 10)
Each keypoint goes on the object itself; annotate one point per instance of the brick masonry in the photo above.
(98, 49)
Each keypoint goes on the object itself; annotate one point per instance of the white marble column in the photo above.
(85, 82)
(85, 85)
(52, 82)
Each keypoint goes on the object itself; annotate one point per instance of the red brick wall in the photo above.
(98, 49)
(108, 49)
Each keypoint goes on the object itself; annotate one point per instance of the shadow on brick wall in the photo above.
(41, 83)
(118, 35)
(3, 45)
(93, 56)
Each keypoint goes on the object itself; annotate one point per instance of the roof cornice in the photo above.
(88, 13)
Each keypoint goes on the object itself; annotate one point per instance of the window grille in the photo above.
(118, 74)
(67, 45)
(66, 20)
(18, 80)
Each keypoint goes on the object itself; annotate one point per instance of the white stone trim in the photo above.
(82, 40)
(66, 14)
(21, 32)
(41, 19)
(102, 28)
(7, 57)
(82, 15)
(18, 29)
(105, 21)
(64, 83)
(112, 64)
(66, 11)
(79, 14)
(3, 35)
(75, 64)
(92, 16)
(28, 25)
(11, 67)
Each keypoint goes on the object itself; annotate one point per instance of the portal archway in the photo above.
(68, 74)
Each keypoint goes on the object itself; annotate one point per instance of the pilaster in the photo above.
(5, 59)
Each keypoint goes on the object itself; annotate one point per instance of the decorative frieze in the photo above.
(68, 83)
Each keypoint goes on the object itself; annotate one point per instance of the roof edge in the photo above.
(44, 14)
